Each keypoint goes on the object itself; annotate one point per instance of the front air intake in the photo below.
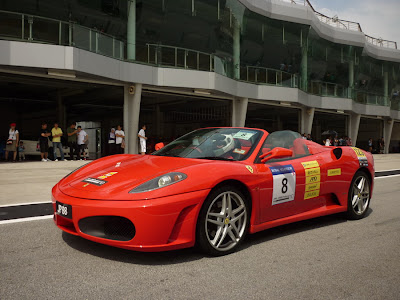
(108, 227)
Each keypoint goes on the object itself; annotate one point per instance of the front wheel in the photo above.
(223, 221)
(359, 196)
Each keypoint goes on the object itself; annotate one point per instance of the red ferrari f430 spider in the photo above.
(210, 188)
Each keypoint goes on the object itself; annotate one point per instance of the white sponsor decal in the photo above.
(284, 184)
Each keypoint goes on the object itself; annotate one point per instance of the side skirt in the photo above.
(319, 212)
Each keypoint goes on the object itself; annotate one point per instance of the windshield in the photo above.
(214, 143)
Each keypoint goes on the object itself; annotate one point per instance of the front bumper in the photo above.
(160, 224)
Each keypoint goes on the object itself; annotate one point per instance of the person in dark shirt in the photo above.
(44, 142)
(72, 144)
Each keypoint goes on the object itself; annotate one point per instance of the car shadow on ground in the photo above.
(192, 254)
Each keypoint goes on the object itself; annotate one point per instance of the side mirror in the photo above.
(277, 152)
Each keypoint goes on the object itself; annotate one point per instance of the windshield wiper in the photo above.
(217, 158)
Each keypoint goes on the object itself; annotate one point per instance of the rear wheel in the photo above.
(223, 221)
(359, 196)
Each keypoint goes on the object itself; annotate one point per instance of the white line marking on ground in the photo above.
(27, 203)
(380, 177)
(386, 170)
(26, 219)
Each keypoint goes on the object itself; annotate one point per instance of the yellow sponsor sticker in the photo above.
(311, 194)
(335, 172)
(313, 171)
(250, 168)
(85, 185)
(313, 186)
(358, 152)
(313, 179)
(107, 175)
(310, 164)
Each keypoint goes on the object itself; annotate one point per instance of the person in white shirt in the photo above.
(12, 142)
(142, 138)
(119, 137)
(82, 138)
(328, 141)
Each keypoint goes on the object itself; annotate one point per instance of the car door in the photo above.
(281, 188)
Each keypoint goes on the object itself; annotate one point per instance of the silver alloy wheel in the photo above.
(360, 195)
(226, 221)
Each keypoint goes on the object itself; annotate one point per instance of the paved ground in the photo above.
(324, 258)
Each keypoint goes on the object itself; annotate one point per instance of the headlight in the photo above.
(159, 182)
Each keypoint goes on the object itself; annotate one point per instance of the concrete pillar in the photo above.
(131, 117)
(236, 49)
(239, 111)
(307, 118)
(131, 30)
(61, 113)
(387, 133)
(353, 125)
(304, 67)
(351, 72)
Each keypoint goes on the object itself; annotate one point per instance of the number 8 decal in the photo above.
(284, 185)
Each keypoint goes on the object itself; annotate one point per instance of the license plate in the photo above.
(64, 210)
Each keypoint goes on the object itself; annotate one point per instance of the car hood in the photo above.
(109, 178)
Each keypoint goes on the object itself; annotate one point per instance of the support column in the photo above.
(131, 30)
(236, 49)
(351, 72)
(387, 133)
(353, 126)
(304, 67)
(61, 113)
(239, 111)
(131, 117)
(307, 118)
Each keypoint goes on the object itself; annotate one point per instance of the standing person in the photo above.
(82, 138)
(12, 142)
(111, 141)
(382, 146)
(57, 133)
(119, 136)
(349, 142)
(44, 142)
(142, 138)
(21, 150)
(72, 141)
(328, 141)
(370, 145)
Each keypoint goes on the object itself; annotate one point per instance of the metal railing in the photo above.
(24, 27)
(261, 75)
(344, 24)
(327, 89)
(380, 42)
(169, 56)
(370, 98)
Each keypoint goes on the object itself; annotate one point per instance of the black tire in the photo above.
(230, 223)
(358, 201)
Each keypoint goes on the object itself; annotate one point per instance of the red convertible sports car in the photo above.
(211, 187)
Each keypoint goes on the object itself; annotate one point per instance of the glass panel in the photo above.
(105, 44)
(10, 25)
(191, 60)
(204, 62)
(167, 57)
(44, 30)
(81, 37)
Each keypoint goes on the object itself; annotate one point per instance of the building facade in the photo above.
(177, 65)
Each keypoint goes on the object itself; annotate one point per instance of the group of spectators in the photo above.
(77, 141)
(337, 141)
(116, 140)
(378, 147)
